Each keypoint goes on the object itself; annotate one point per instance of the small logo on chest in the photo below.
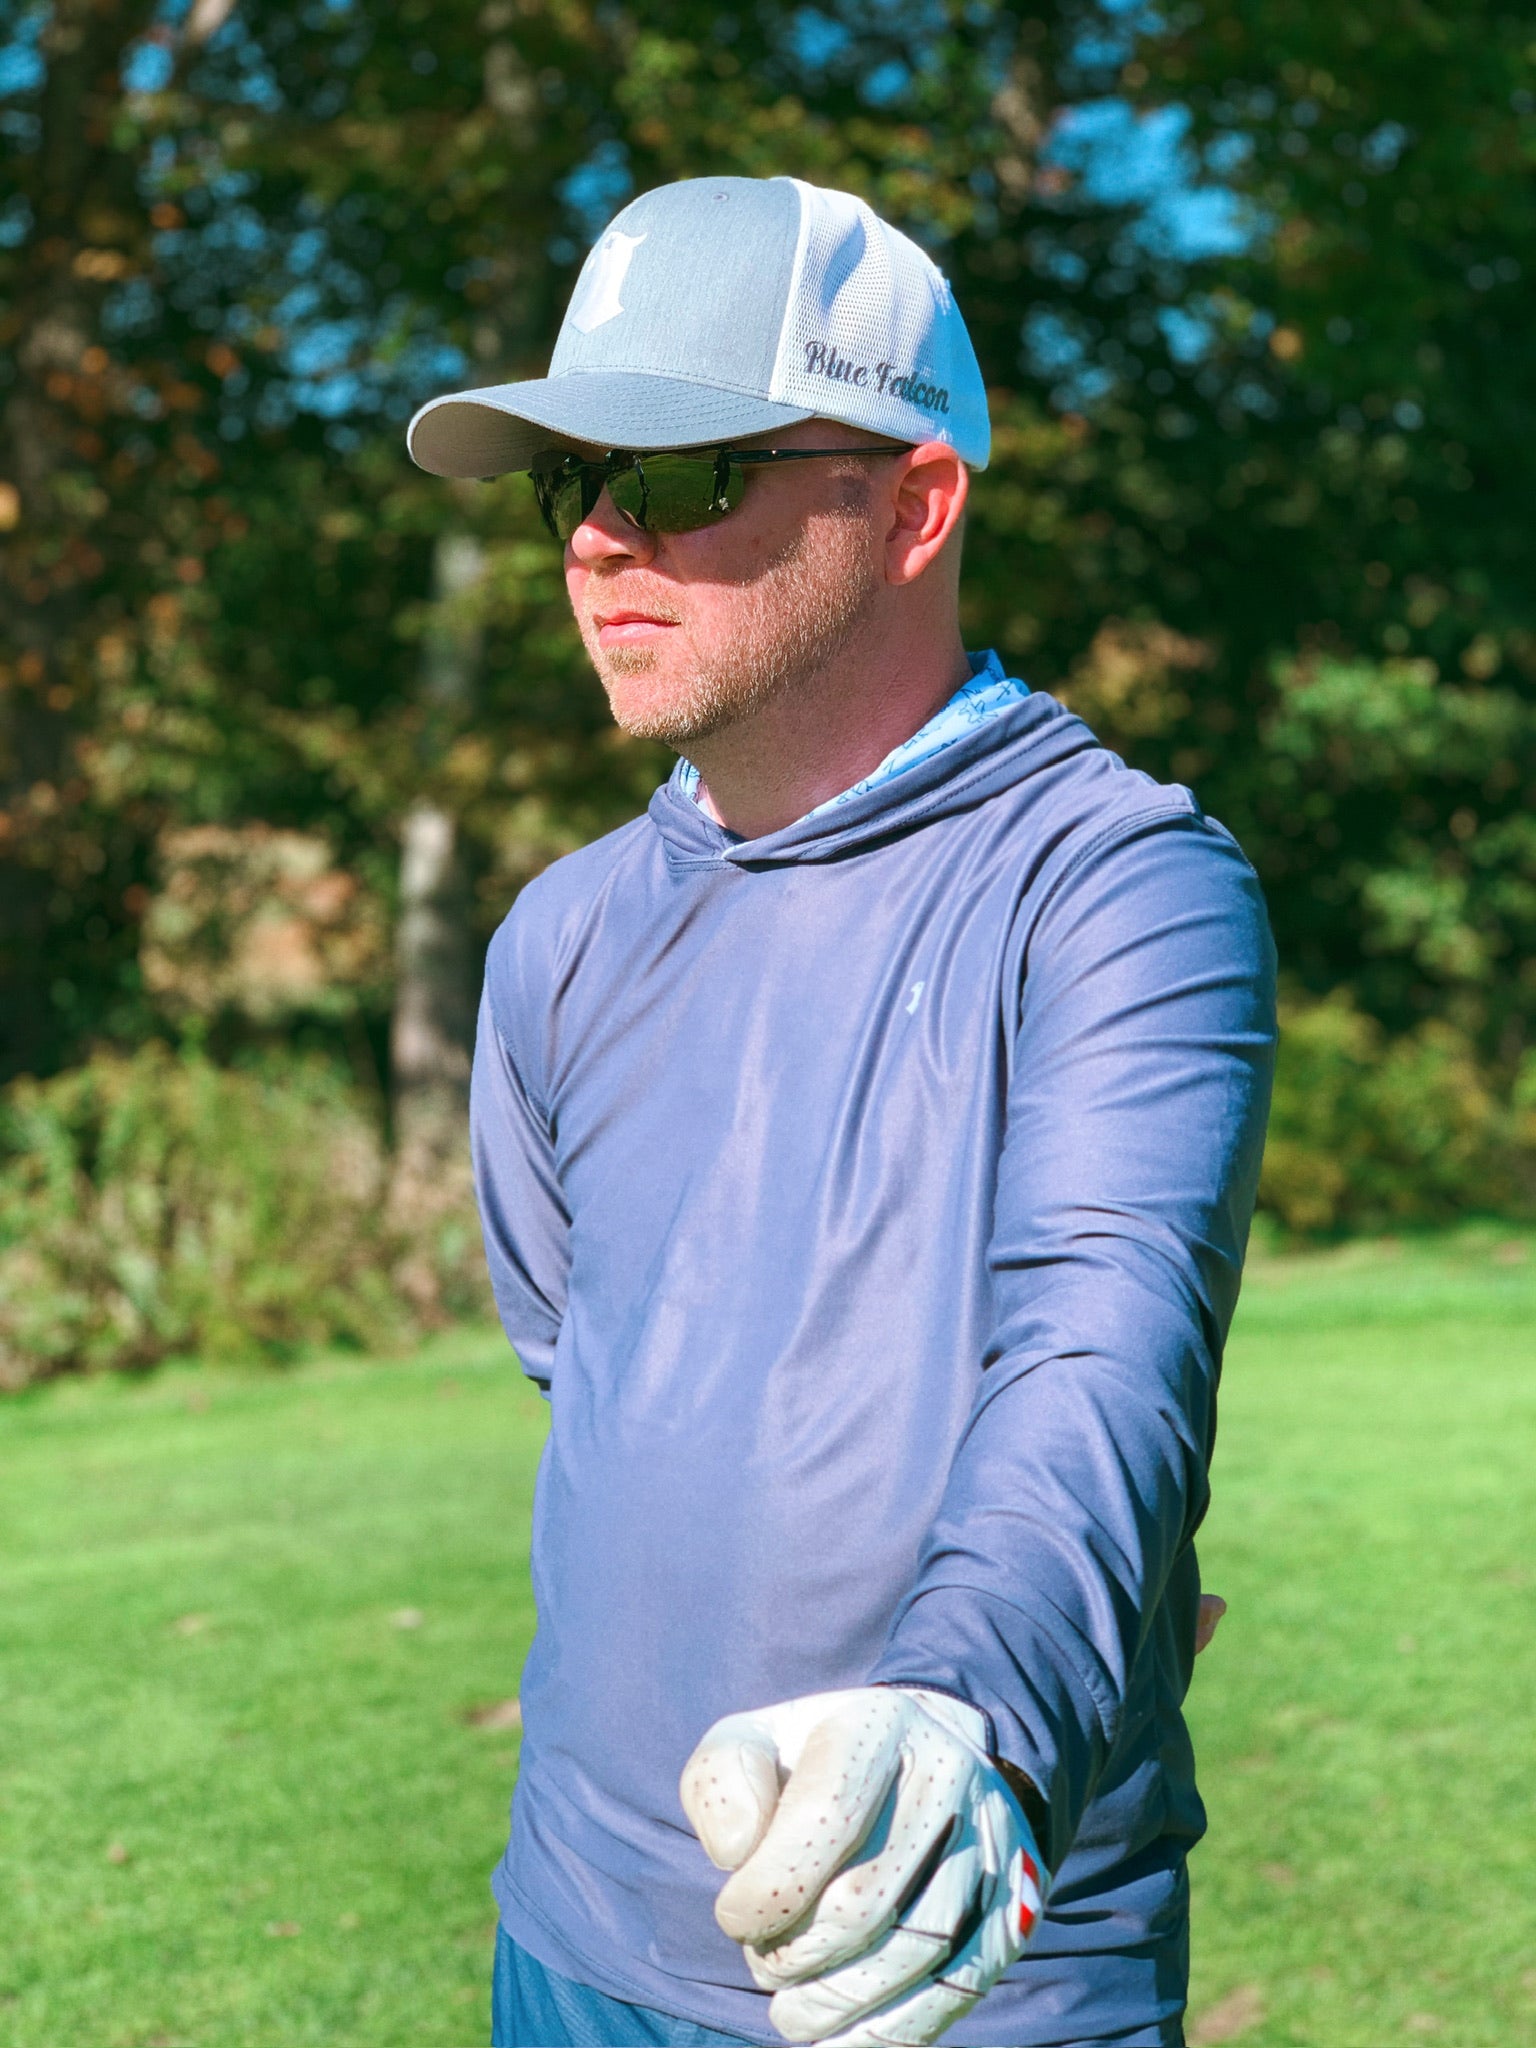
(917, 997)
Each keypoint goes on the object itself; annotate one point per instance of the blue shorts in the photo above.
(532, 2007)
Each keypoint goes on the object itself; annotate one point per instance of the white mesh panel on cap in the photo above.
(872, 335)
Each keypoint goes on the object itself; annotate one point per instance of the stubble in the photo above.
(788, 624)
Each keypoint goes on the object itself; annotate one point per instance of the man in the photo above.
(866, 1141)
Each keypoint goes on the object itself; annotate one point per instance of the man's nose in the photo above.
(606, 535)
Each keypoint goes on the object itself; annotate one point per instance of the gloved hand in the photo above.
(885, 1876)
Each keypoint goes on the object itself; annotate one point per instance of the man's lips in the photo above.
(625, 628)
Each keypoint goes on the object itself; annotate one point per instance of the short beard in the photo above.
(793, 620)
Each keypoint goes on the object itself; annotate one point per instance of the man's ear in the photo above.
(927, 502)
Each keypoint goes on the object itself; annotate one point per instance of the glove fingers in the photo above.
(897, 1860)
(943, 1997)
(833, 1798)
(997, 1936)
(919, 2018)
(916, 1947)
(1001, 1917)
(810, 2012)
(729, 1789)
(869, 1895)
(928, 1899)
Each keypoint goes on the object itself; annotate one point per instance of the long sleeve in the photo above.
(522, 1211)
(1137, 1099)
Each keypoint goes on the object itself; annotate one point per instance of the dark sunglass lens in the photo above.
(566, 493)
(544, 495)
(579, 492)
(665, 493)
(554, 490)
(629, 492)
(690, 490)
(675, 493)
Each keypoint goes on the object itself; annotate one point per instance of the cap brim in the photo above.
(503, 426)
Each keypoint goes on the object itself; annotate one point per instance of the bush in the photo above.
(153, 1204)
(1369, 1130)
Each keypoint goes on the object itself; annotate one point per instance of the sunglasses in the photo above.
(671, 491)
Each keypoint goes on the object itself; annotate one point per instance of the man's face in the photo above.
(690, 632)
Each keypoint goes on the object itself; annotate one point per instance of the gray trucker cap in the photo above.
(719, 308)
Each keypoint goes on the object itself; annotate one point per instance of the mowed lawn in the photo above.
(255, 1631)
(1366, 1718)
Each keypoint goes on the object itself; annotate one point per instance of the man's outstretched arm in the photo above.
(1135, 1126)
(871, 1895)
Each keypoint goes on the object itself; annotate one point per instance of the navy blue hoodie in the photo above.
(870, 1199)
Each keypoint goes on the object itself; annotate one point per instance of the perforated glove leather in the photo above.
(884, 1874)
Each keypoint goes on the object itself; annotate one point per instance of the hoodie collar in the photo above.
(986, 691)
(1008, 740)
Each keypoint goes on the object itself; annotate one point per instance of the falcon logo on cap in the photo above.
(597, 302)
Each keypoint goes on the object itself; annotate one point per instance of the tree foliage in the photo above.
(1248, 281)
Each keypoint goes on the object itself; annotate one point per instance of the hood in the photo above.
(1017, 743)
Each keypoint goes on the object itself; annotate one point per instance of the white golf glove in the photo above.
(885, 1876)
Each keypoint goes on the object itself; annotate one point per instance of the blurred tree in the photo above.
(318, 215)
(1323, 473)
(74, 228)
(213, 289)
(433, 1021)
(1248, 287)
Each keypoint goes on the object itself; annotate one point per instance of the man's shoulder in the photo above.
(552, 908)
(1115, 857)
(1073, 794)
(1091, 830)
(571, 882)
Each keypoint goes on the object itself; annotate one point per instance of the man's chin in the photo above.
(648, 705)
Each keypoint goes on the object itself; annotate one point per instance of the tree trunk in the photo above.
(432, 1031)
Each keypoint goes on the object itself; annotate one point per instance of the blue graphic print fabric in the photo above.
(987, 693)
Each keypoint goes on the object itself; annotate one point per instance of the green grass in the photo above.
(1364, 1717)
(239, 1803)
(202, 1675)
